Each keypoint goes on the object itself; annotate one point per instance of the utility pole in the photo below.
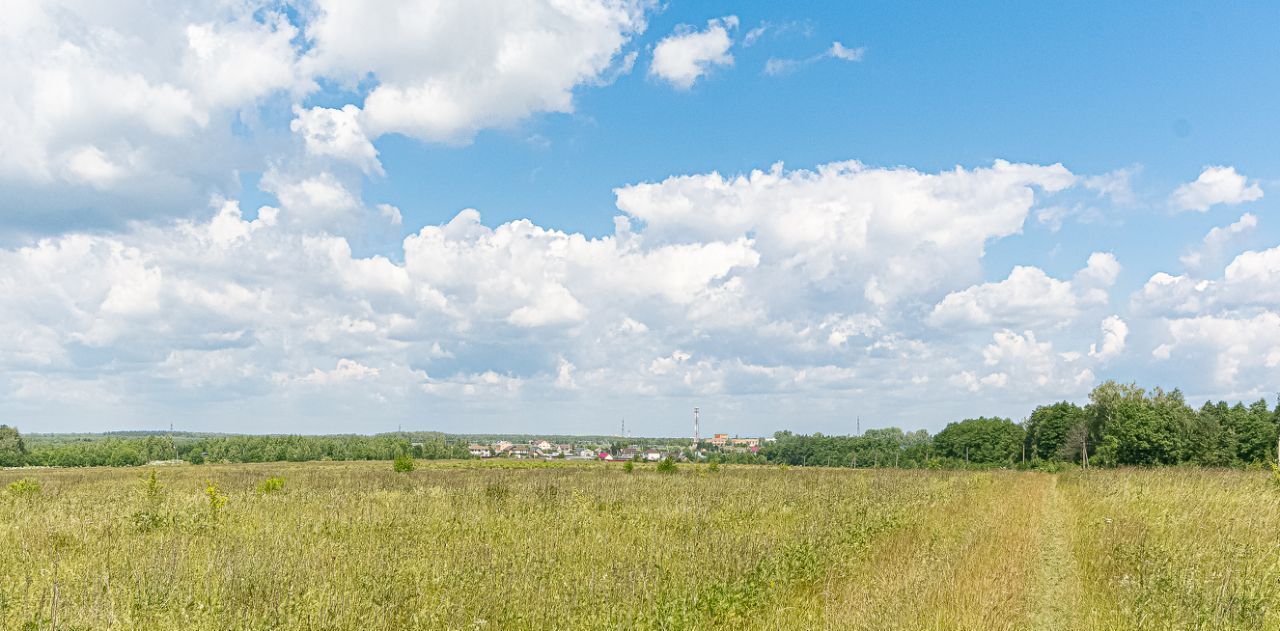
(1084, 450)
(859, 425)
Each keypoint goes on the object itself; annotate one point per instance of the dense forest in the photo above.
(1121, 425)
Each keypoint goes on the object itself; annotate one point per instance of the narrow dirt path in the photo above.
(1058, 585)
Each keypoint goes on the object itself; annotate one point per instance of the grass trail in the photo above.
(1058, 585)
(963, 561)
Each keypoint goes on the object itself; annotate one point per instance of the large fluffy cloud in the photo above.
(448, 69)
(1225, 324)
(99, 93)
(794, 284)
(101, 103)
(857, 235)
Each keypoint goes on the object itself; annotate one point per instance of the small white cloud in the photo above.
(92, 166)
(839, 51)
(314, 200)
(391, 214)
(686, 55)
(346, 370)
(1029, 297)
(1216, 185)
(1116, 185)
(774, 66)
(564, 375)
(1114, 333)
(336, 133)
(1218, 241)
(780, 65)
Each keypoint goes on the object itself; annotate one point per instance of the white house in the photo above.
(480, 451)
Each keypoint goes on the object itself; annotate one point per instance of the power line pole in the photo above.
(1084, 450)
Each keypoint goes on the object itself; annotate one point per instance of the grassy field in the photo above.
(471, 545)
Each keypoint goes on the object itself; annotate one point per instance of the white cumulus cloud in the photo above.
(687, 54)
(1216, 185)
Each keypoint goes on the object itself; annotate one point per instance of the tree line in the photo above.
(1121, 425)
(117, 452)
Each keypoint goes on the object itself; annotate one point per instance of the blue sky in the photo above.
(256, 217)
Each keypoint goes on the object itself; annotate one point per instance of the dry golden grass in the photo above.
(1177, 549)
(493, 545)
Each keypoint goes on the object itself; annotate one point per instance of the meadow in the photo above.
(534, 545)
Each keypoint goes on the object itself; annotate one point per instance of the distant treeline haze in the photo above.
(1121, 425)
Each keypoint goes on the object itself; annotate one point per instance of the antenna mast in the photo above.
(697, 436)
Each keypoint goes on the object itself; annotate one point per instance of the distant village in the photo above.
(618, 450)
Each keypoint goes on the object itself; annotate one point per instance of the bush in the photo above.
(628, 467)
(270, 485)
(403, 463)
(217, 501)
(24, 488)
(713, 466)
(152, 515)
(667, 465)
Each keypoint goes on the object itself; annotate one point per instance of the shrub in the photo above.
(217, 501)
(667, 465)
(152, 490)
(1275, 474)
(151, 516)
(24, 488)
(403, 463)
(628, 467)
(271, 485)
(713, 466)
